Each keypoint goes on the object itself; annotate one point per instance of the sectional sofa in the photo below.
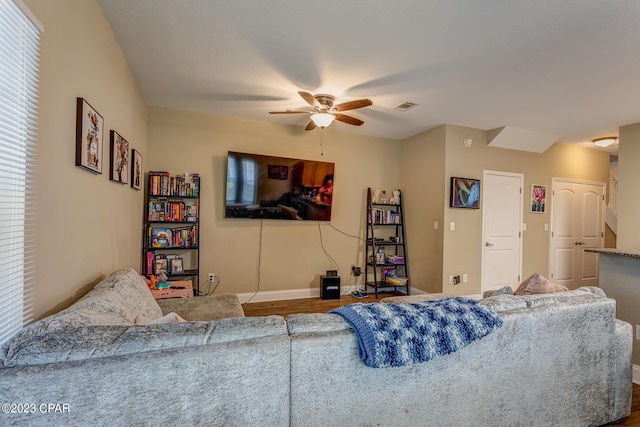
(558, 359)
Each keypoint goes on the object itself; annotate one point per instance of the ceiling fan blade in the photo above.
(352, 105)
(290, 112)
(311, 100)
(348, 119)
(310, 126)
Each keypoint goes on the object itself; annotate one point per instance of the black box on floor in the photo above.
(330, 287)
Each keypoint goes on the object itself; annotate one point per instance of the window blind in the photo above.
(19, 49)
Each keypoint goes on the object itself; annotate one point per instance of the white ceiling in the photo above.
(560, 67)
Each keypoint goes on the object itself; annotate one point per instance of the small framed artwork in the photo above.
(176, 266)
(160, 266)
(277, 171)
(136, 169)
(119, 170)
(538, 200)
(89, 131)
(465, 193)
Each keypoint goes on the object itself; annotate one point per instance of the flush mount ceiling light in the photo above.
(606, 141)
(322, 120)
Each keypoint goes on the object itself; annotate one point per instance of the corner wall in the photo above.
(87, 226)
(423, 189)
(628, 236)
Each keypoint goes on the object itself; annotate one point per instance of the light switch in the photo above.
(452, 226)
(435, 225)
(546, 227)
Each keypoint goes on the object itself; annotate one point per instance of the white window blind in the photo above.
(19, 47)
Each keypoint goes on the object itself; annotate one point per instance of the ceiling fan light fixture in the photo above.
(606, 141)
(322, 120)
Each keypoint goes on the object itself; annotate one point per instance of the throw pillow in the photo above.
(538, 284)
(505, 290)
(169, 318)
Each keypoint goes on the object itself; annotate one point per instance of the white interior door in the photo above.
(501, 230)
(577, 222)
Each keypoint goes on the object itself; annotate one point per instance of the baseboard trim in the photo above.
(636, 374)
(264, 296)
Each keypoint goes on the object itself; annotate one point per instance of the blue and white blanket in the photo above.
(401, 334)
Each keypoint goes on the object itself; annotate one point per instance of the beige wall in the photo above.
(628, 236)
(87, 226)
(461, 249)
(292, 254)
(423, 185)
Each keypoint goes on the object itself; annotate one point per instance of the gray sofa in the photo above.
(559, 359)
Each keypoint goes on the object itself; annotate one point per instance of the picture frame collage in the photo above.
(169, 265)
(125, 164)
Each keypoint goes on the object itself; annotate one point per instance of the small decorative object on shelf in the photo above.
(172, 221)
(387, 264)
(395, 200)
(384, 198)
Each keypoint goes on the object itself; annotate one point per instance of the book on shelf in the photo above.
(161, 183)
(161, 237)
(384, 216)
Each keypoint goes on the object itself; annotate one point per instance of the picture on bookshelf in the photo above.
(161, 237)
(136, 169)
(176, 266)
(119, 165)
(161, 266)
(89, 130)
(465, 193)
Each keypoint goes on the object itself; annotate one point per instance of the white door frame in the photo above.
(520, 176)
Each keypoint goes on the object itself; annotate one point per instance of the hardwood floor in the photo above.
(317, 305)
(305, 305)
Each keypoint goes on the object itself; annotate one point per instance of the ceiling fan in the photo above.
(324, 112)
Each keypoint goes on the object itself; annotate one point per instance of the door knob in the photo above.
(487, 244)
(579, 243)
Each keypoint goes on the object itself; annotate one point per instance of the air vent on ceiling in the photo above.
(405, 106)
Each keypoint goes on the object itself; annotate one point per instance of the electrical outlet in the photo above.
(212, 277)
(356, 270)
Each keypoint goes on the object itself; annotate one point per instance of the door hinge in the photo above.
(552, 275)
(552, 234)
(519, 234)
(520, 190)
(518, 277)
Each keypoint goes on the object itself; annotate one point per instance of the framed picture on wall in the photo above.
(465, 193)
(538, 201)
(136, 169)
(119, 170)
(89, 131)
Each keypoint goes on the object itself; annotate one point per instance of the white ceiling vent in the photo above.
(405, 106)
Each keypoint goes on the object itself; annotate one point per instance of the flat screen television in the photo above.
(270, 187)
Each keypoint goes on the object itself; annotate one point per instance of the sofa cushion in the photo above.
(203, 308)
(98, 307)
(130, 286)
(95, 342)
(167, 318)
(538, 284)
